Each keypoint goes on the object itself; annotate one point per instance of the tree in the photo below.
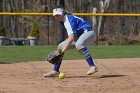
(34, 31)
(2, 29)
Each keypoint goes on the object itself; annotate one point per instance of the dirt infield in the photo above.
(114, 76)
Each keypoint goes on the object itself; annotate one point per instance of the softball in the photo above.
(61, 76)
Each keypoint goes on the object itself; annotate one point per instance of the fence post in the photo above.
(94, 23)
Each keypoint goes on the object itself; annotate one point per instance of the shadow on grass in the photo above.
(4, 62)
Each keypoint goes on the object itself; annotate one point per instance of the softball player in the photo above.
(80, 34)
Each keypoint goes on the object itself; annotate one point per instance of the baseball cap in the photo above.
(57, 11)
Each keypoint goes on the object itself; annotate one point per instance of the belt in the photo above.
(86, 30)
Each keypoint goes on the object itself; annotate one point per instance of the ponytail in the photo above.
(67, 12)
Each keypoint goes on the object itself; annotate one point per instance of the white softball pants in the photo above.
(84, 40)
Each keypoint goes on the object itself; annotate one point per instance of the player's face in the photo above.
(59, 18)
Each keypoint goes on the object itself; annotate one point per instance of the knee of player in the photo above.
(59, 47)
(78, 46)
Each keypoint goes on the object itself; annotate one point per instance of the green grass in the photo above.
(115, 51)
(11, 54)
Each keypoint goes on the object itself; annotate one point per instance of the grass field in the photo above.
(12, 54)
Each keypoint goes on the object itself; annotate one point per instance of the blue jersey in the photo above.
(75, 25)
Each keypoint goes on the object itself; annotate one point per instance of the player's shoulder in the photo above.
(68, 17)
(71, 17)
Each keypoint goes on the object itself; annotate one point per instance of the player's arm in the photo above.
(70, 39)
(69, 25)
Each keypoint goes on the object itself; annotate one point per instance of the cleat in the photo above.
(92, 70)
(51, 74)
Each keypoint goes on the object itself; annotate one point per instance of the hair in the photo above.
(67, 12)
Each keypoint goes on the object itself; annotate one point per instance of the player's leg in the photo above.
(60, 47)
(56, 68)
(84, 40)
